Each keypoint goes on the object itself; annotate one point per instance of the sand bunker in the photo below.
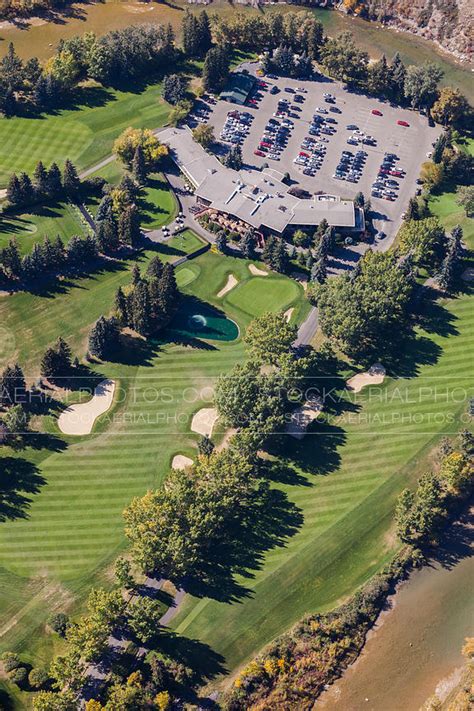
(256, 271)
(231, 282)
(468, 274)
(303, 416)
(79, 419)
(374, 376)
(203, 421)
(300, 278)
(288, 314)
(181, 462)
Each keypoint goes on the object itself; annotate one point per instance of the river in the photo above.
(38, 37)
(415, 649)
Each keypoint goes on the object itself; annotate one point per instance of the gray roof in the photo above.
(259, 198)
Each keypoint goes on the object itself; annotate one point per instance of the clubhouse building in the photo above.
(252, 197)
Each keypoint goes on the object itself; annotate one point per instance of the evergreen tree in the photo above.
(129, 226)
(216, 69)
(26, 188)
(190, 34)
(309, 261)
(40, 179)
(104, 338)
(71, 181)
(319, 270)
(104, 210)
(14, 193)
(107, 235)
(9, 103)
(40, 93)
(121, 307)
(397, 75)
(140, 309)
(155, 268)
(11, 260)
(169, 290)
(204, 32)
(173, 89)
(221, 242)
(248, 244)
(48, 364)
(136, 276)
(12, 386)
(359, 199)
(129, 186)
(64, 356)
(139, 168)
(54, 181)
(206, 446)
(413, 210)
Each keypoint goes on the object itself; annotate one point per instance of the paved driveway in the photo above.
(410, 144)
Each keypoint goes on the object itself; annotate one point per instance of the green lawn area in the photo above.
(344, 478)
(258, 294)
(50, 220)
(73, 527)
(83, 133)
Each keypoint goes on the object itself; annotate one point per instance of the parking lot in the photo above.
(329, 163)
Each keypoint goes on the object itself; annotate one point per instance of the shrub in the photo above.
(10, 661)
(38, 678)
(59, 622)
(19, 676)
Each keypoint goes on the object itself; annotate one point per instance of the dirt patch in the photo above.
(138, 9)
(303, 416)
(374, 376)
(288, 314)
(79, 419)
(180, 461)
(204, 420)
(256, 271)
(231, 282)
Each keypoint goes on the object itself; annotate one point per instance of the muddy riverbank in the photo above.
(415, 648)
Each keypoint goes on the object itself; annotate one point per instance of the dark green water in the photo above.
(196, 319)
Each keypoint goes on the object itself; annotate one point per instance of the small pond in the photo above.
(196, 319)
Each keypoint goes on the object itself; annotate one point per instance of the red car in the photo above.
(266, 144)
(304, 155)
(396, 173)
(259, 153)
(403, 123)
(376, 112)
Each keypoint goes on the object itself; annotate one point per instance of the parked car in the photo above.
(274, 90)
(352, 127)
(376, 112)
(403, 123)
(259, 153)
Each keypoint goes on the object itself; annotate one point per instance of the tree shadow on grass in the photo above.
(268, 522)
(198, 656)
(51, 287)
(135, 350)
(18, 478)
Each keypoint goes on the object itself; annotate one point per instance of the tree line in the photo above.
(116, 57)
(47, 184)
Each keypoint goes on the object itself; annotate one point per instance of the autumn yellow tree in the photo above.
(431, 174)
(450, 107)
(128, 142)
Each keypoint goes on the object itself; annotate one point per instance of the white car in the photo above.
(301, 89)
(320, 110)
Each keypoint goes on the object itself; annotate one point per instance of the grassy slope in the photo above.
(84, 133)
(74, 526)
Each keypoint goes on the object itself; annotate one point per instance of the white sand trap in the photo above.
(79, 419)
(231, 282)
(256, 271)
(288, 314)
(204, 420)
(374, 376)
(181, 462)
(303, 416)
(468, 274)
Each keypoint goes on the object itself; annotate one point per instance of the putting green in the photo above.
(257, 295)
(186, 275)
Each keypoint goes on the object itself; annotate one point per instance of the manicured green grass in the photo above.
(451, 214)
(344, 478)
(74, 528)
(260, 294)
(52, 220)
(83, 133)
